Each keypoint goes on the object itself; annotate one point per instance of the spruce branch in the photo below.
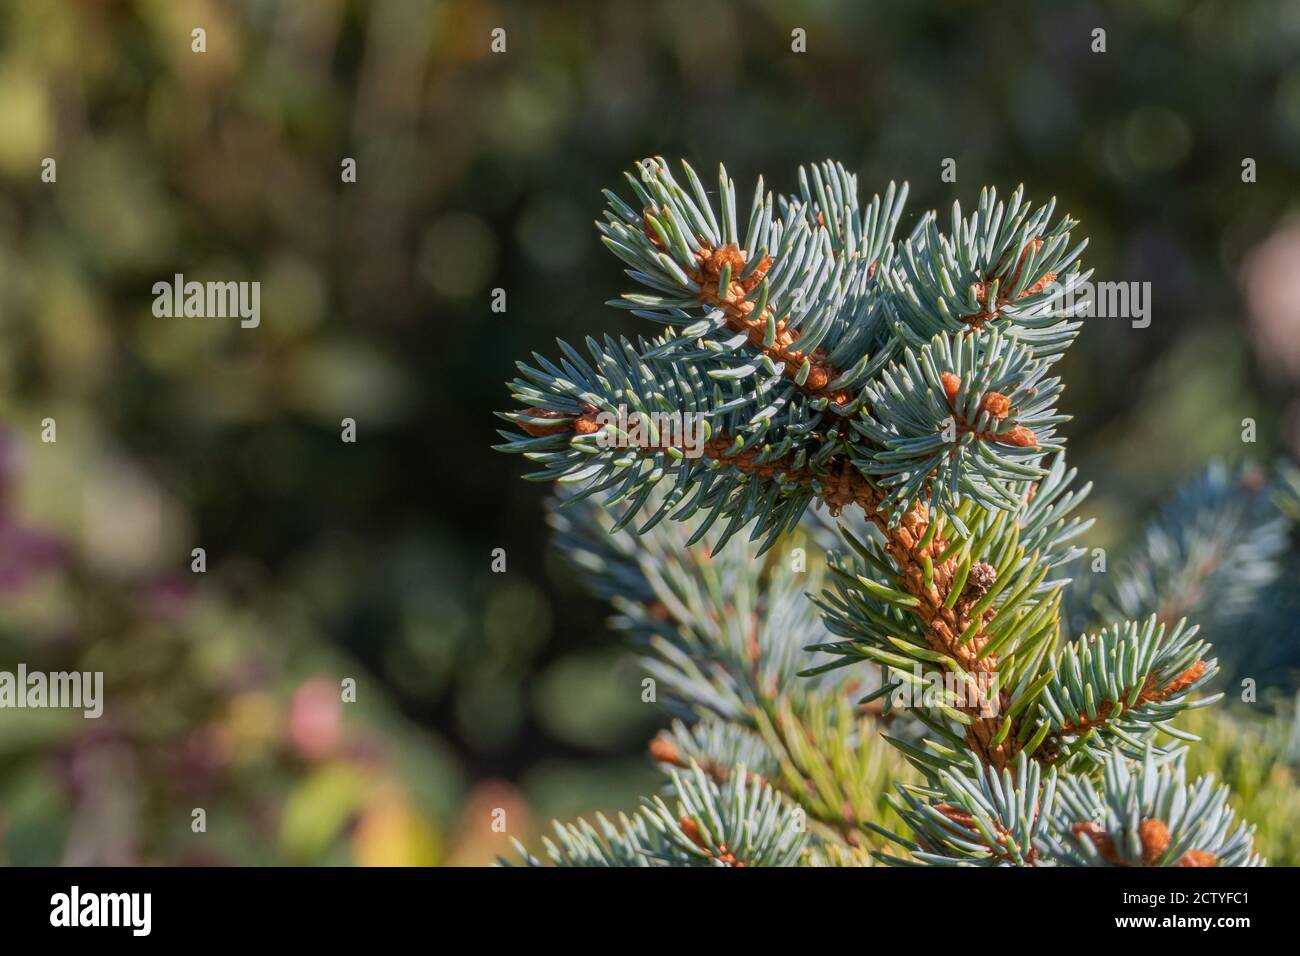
(1140, 813)
(717, 746)
(830, 367)
(980, 606)
(1116, 687)
(795, 292)
(723, 633)
(1218, 551)
(974, 815)
(739, 823)
(1004, 267)
(779, 338)
(1146, 814)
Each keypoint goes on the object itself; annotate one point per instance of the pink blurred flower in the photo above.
(314, 719)
(168, 597)
(1270, 278)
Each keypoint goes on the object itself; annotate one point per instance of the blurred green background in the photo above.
(476, 171)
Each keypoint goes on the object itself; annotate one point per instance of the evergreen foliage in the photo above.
(1225, 551)
(1221, 550)
(905, 388)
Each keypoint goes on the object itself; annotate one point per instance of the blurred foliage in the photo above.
(479, 171)
(1258, 757)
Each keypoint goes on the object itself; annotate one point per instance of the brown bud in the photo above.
(956, 815)
(1100, 839)
(648, 229)
(951, 385)
(693, 832)
(1155, 840)
(982, 576)
(563, 422)
(665, 751)
(728, 255)
(1020, 436)
(1197, 858)
(1047, 279)
(996, 404)
(817, 379)
(1180, 683)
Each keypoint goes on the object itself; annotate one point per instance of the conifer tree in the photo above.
(924, 703)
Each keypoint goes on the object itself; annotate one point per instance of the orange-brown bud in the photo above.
(996, 404)
(1100, 839)
(693, 832)
(665, 751)
(563, 422)
(1155, 840)
(1020, 436)
(951, 385)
